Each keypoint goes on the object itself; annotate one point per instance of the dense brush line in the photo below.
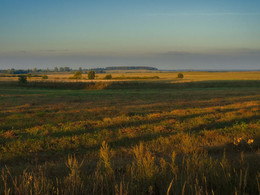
(132, 84)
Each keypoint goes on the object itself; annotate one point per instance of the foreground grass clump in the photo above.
(196, 173)
(194, 138)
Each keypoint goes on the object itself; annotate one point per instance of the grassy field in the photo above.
(163, 76)
(132, 137)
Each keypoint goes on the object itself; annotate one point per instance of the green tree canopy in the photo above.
(77, 75)
(180, 75)
(91, 74)
(22, 79)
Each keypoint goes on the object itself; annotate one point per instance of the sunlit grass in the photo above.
(152, 75)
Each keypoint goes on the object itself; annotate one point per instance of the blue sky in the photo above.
(200, 34)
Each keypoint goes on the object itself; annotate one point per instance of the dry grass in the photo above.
(181, 140)
(170, 76)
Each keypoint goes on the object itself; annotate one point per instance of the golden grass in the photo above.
(169, 76)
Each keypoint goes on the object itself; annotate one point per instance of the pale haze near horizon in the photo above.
(163, 34)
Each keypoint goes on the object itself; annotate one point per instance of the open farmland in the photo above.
(146, 75)
(132, 137)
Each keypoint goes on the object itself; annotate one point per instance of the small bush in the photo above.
(29, 75)
(77, 75)
(108, 76)
(180, 76)
(22, 79)
(91, 74)
(44, 77)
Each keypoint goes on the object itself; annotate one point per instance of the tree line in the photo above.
(80, 69)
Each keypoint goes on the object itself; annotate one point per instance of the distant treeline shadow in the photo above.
(135, 84)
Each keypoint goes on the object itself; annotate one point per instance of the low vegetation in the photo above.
(77, 75)
(91, 75)
(180, 75)
(44, 77)
(22, 79)
(130, 137)
(108, 76)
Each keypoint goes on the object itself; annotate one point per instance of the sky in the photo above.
(201, 34)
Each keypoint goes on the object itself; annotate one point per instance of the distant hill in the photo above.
(130, 68)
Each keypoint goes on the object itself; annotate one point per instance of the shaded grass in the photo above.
(134, 84)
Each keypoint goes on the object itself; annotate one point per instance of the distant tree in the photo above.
(130, 68)
(108, 76)
(56, 69)
(29, 75)
(180, 75)
(10, 71)
(77, 75)
(98, 70)
(67, 69)
(91, 74)
(61, 69)
(45, 77)
(35, 70)
(22, 79)
(80, 69)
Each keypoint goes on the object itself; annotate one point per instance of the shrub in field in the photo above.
(44, 77)
(22, 79)
(29, 75)
(180, 76)
(91, 74)
(77, 75)
(108, 76)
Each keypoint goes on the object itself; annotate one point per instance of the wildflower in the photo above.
(237, 140)
(29, 179)
(250, 141)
